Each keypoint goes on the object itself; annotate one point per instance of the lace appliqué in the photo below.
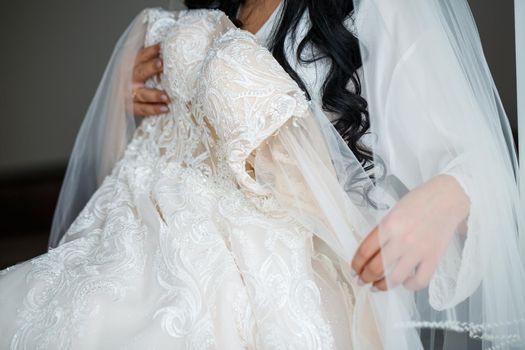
(180, 218)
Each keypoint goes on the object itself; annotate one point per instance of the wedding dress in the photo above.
(179, 247)
(230, 222)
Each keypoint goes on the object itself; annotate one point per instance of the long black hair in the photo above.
(332, 40)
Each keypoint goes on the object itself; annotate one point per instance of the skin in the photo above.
(146, 101)
(411, 238)
(254, 13)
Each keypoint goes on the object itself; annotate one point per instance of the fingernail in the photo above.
(164, 97)
(360, 282)
(353, 273)
(164, 109)
(159, 63)
(374, 289)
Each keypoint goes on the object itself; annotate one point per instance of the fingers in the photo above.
(422, 277)
(145, 95)
(148, 53)
(380, 285)
(366, 251)
(405, 276)
(374, 269)
(146, 70)
(148, 102)
(402, 271)
(149, 109)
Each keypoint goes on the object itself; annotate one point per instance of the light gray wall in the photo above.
(53, 53)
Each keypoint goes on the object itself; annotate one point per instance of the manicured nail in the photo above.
(353, 273)
(360, 282)
(164, 97)
(159, 63)
(374, 289)
(164, 109)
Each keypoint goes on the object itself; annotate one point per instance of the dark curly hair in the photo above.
(332, 40)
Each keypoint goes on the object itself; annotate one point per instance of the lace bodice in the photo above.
(228, 95)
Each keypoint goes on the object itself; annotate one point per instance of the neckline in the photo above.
(261, 34)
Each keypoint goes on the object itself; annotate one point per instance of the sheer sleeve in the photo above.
(296, 165)
(434, 111)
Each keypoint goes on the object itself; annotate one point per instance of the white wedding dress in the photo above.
(180, 247)
(231, 221)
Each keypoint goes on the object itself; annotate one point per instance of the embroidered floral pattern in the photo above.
(174, 244)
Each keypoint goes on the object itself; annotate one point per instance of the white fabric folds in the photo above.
(434, 111)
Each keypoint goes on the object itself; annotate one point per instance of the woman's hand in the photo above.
(411, 239)
(147, 102)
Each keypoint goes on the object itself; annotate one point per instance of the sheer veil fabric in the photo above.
(107, 128)
(434, 110)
